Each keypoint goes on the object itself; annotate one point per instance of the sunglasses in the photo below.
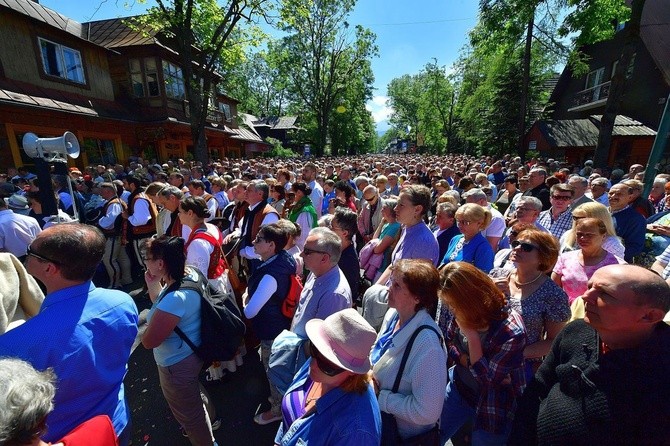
(525, 247)
(32, 253)
(307, 251)
(370, 199)
(327, 367)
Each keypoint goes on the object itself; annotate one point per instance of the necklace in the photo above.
(520, 284)
(314, 390)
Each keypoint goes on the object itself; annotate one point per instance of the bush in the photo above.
(278, 150)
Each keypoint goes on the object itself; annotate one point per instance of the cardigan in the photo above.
(581, 396)
(418, 403)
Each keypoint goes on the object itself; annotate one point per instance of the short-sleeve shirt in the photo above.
(575, 275)
(184, 304)
(549, 303)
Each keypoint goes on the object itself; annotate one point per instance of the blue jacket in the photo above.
(631, 226)
(270, 321)
(341, 418)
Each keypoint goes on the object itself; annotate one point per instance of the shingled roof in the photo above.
(45, 15)
(584, 132)
(114, 33)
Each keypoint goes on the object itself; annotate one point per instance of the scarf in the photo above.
(304, 205)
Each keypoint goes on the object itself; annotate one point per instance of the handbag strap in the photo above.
(405, 355)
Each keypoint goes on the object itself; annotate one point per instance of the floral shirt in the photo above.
(547, 303)
(575, 275)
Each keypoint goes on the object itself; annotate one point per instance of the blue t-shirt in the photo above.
(184, 304)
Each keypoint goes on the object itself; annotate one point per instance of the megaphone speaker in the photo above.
(51, 148)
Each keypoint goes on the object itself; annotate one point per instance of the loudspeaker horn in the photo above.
(51, 149)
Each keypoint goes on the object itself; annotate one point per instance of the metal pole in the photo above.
(657, 149)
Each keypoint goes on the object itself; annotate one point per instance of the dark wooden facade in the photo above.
(110, 121)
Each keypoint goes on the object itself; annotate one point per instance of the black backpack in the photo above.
(221, 325)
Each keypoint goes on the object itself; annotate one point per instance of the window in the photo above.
(137, 83)
(152, 76)
(174, 80)
(225, 108)
(61, 61)
(595, 78)
(144, 77)
(99, 151)
(631, 66)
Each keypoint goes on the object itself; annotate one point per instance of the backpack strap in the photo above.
(408, 349)
(187, 285)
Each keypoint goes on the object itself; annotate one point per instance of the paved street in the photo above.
(236, 400)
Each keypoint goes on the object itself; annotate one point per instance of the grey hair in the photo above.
(328, 242)
(600, 181)
(263, 187)
(453, 193)
(26, 398)
(580, 179)
(358, 180)
(169, 191)
(390, 203)
(533, 201)
(476, 194)
(326, 221)
(447, 208)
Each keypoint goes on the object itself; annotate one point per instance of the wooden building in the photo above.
(578, 101)
(121, 92)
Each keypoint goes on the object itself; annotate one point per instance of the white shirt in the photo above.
(141, 214)
(497, 226)
(113, 211)
(248, 252)
(316, 196)
(17, 232)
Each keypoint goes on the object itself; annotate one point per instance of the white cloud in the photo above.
(378, 108)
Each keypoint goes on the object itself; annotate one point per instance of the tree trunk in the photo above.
(321, 134)
(523, 106)
(618, 85)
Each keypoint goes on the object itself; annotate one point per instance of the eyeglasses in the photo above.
(575, 218)
(327, 367)
(307, 251)
(561, 197)
(464, 222)
(370, 199)
(525, 246)
(30, 252)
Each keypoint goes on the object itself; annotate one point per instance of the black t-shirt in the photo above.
(349, 265)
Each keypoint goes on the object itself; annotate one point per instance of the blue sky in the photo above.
(409, 33)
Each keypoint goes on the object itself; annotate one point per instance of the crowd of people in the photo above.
(520, 302)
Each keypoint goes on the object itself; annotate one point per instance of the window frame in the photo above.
(169, 76)
(60, 54)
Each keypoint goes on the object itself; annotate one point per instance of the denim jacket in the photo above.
(341, 418)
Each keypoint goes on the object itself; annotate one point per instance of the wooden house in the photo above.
(118, 90)
(578, 101)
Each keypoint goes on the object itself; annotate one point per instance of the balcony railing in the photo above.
(213, 115)
(598, 93)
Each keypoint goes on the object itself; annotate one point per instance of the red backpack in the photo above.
(290, 303)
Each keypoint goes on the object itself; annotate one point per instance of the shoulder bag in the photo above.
(390, 434)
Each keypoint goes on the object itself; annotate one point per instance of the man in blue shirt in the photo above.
(84, 333)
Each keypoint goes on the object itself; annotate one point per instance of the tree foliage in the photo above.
(423, 106)
(322, 54)
(208, 38)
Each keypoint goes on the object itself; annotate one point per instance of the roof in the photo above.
(45, 15)
(584, 132)
(655, 32)
(275, 122)
(25, 94)
(114, 33)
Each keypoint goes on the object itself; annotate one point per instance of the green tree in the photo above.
(207, 37)
(321, 56)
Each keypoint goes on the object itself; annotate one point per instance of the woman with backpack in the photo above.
(178, 365)
(204, 252)
(268, 287)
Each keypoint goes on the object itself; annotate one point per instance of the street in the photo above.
(236, 399)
